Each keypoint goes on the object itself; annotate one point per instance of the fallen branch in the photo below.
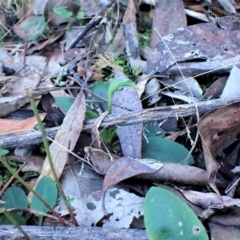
(57, 233)
(127, 118)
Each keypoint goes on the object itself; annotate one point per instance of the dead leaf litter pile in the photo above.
(140, 104)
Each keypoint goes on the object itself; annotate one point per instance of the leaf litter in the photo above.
(185, 61)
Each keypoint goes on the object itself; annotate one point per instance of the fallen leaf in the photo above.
(122, 169)
(215, 129)
(13, 127)
(171, 15)
(65, 138)
(96, 141)
(130, 136)
(101, 160)
(204, 41)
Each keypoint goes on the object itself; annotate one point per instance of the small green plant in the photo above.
(69, 201)
(62, 12)
(14, 197)
(3, 152)
(40, 22)
(80, 15)
(46, 187)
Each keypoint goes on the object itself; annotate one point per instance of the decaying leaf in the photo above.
(101, 160)
(215, 90)
(210, 200)
(231, 89)
(66, 137)
(122, 169)
(14, 127)
(215, 129)
(126, 208)
(95, 133)
(130, 136)
(203, 41)
(171, 15)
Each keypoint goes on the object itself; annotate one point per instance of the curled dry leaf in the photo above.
(210, 200)
(122, 169)
(152, 90)
(101, 160)
(215, 129)
(96, 141)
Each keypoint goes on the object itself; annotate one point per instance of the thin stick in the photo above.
(10, 180)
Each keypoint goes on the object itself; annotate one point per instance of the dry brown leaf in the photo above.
(101, 160)
(14, 127)
(130, 136)
(171, 15)
(215, 129)
(122, 169)
(96, 141)
(66, 138)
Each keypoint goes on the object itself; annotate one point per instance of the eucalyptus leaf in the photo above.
(165, 150)
(167, 217)
(116, 85)
(47, 189)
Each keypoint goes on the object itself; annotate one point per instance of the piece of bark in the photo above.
(197, 68)
(59, 233)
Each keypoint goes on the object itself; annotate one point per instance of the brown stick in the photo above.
(128, 118)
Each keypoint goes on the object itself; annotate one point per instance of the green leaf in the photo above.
(15, 197)
(35, 20)
(90, 114)
(153, 130)
(107, 135)
(63, 12)
(3, 152)
(18, 218)
(40, 22)
(101, 89)
(165, 150)
(80, 15)
(116, 85)
(47, 189)
(64, 103)
(167, 217)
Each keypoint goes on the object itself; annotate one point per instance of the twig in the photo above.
(10, 180)
(6, 165)
(94, 20)
(127, 118)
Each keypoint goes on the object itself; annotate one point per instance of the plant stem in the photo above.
(5, 163)
(46, 146)
(14, 222)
